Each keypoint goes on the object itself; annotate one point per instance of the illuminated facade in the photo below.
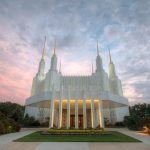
(77, 101)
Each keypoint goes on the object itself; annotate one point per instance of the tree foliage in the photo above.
(15, 112)
(139, 117)
(8, 125)
(12, 110)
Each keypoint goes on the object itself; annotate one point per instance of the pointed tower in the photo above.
(99, 66)
(114, 81)
(92, 69)
(42, 62)
(60, 67)
(112, 71)
(54, 60)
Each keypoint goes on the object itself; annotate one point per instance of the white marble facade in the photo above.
(77, 101)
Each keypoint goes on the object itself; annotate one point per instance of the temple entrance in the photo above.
(80, 121)
(72, 121)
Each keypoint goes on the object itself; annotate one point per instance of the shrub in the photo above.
(133, 123)
(8, 125)
(75, 132)
(146, 122)
(44, 124)
(13, 126)
(2, 128)
(30, 121)
(119, 124)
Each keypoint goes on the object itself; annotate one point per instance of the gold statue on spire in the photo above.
(43, 52)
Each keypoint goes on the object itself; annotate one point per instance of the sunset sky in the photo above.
(121, 25)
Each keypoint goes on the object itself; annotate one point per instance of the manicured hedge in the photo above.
(76, 132)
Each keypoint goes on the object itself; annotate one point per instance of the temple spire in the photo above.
(97, 49)
(54, 59)
(60, 67)
(92, 68)
(55, 47)
(110, 56)
(43, 52)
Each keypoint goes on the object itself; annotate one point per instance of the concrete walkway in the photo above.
(7, 144)
(73, 146)
(135, 134)
(6, 138)
(92, 146)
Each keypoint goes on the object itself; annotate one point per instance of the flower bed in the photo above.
(76, 132)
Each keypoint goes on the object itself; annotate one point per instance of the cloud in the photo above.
(124, 26)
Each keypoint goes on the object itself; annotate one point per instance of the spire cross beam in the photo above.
(43, 52)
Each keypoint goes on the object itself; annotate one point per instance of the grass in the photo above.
(114, 137)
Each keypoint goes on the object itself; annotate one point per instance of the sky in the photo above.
(76, 25)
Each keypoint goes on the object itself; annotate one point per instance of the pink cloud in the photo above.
(17, 68)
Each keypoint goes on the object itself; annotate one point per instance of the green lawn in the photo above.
(114, 137)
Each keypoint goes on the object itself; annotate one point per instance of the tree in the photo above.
(8, 125)
(13, 111)
(139, 116)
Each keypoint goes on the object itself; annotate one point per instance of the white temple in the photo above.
(77, 101)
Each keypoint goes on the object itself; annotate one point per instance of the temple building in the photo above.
(76, 101)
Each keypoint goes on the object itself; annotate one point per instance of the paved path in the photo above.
(73, 146)
(20, 146)
(6, 138)
(135, 134)
(6, 144)
(92, 146)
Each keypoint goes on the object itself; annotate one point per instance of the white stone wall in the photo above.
(35, 112)
(121, 112)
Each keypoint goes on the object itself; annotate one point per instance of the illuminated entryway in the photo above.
(72, 121)
(76, 114)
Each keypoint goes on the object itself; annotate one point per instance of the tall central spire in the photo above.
(55, 47)
(43, 52)
(110, 56)
(97, 49)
